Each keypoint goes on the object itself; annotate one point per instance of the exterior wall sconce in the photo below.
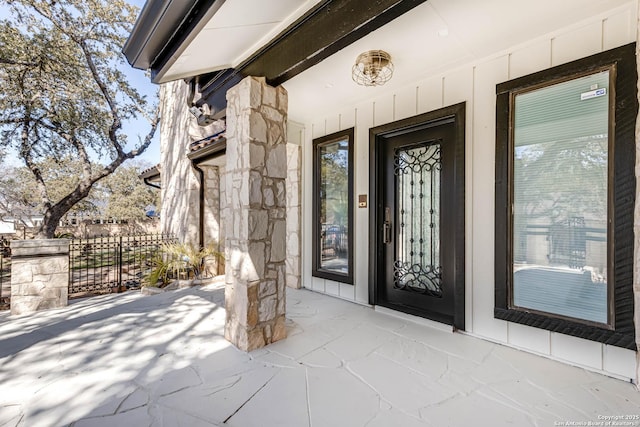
(372, 68)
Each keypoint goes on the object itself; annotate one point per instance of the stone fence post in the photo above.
(39, 275)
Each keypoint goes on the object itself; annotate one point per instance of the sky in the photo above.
(135, 130)
(140, 127)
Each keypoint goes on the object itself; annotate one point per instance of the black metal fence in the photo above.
(111, 264)
(5, 276)
(334, 239)
(565, 242)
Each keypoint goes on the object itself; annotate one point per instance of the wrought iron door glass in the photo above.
(417, 266)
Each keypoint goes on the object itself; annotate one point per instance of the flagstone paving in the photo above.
(161, 360)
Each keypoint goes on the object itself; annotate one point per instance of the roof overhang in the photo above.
(156, 27)
(150, 173)
(209, 150)
(311, 46)
(151, 176)
(277, 39)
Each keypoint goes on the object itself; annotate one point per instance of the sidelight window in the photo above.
(333, 206)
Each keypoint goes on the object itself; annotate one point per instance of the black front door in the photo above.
(420, 218)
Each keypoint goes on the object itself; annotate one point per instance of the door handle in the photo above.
(386, 226)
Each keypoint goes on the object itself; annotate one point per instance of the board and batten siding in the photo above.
(474, 84)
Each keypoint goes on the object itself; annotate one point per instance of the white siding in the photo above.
(364, 121)
(481, 151)
(474, 84)
(531, 339)
(430, 95)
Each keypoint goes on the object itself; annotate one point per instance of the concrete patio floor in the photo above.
(133, 360)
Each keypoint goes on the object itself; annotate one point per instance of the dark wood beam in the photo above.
(324, 30)
(214, 87)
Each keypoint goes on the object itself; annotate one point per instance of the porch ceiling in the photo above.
(436, 36)
(236, 30)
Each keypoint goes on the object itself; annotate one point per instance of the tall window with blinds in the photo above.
(565, 196)
(560, 170)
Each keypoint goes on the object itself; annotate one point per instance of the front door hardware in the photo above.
(386, 226)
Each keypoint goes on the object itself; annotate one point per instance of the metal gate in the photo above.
(111, 264)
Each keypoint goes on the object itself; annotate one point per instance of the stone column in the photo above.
(222, 235)
(294, 210)
(39, 275)
(256, 214)
(212, 224)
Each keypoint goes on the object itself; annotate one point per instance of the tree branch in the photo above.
(117, 122)
(75, 142)
(20, 63)
(155, 122)
(25, 152)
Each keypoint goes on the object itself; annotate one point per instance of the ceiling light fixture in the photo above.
(372, 68)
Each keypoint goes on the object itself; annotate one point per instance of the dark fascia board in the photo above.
(163, 30)
(152, 30)
(210, 151)
(194, 21)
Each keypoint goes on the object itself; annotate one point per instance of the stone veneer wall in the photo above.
(212, 211)
(256, 217)
(223, 212)
(39, 275)
(294, 208)
(179, 181)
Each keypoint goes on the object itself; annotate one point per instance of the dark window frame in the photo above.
(318, 143)
(621, 198)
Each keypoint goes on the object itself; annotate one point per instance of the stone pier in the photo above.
(39, 275)
(256, 214)
(294, 206)
(213, 231)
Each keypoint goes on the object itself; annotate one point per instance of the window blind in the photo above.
(560, 169)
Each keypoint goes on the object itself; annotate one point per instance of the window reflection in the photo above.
(560, 198)
(333, 210)
(334, 206)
